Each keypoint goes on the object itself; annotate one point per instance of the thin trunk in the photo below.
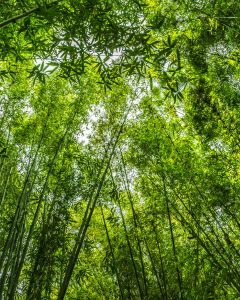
(21, 198)
(173, 240)
(87, 216)
(130, 251)
(163, 296)
(35, 218)
(5, 186)
(230, 280)
(135, 220)
(113, 256)
(86, 222)
(161, 261)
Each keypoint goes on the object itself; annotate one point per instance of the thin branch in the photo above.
(25, 14)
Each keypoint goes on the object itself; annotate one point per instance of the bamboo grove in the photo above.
(119, 149)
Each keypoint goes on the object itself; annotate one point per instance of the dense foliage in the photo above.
(119, 149)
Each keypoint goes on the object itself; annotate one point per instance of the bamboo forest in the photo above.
(119, 149)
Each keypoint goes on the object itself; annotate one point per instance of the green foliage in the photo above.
(119, 149)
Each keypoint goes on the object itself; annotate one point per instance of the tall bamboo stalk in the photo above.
(87, 217)
(40, 200)
(113, 255)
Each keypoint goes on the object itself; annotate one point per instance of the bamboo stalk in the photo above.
(130, 250)
(135, 220)
(173, 239)
(86, 221)
(40, 200)
(113, 256)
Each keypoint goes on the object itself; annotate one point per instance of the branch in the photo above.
(23, 15)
